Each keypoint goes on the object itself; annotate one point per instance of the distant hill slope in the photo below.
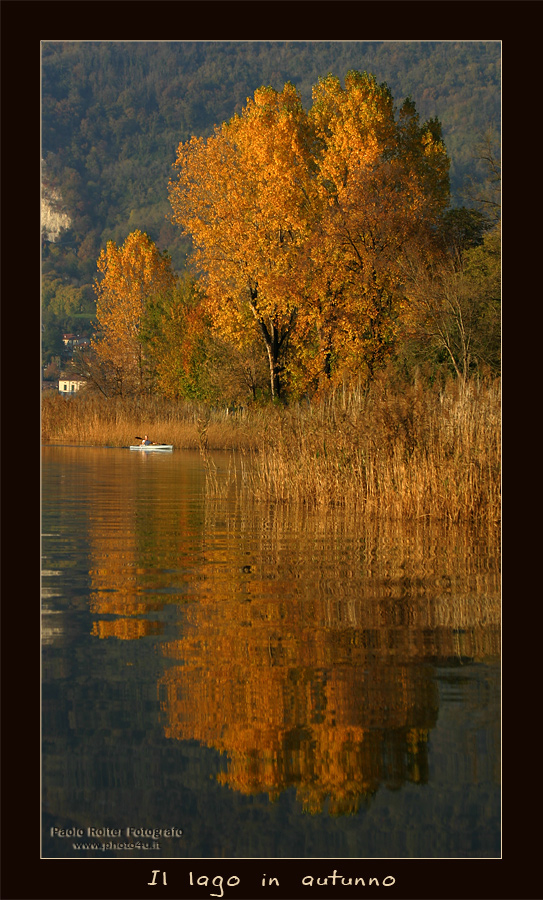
(114, 112)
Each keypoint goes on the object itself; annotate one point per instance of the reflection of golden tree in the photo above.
(290, 711)
(125, 629)
(304, 652)
(309, 667)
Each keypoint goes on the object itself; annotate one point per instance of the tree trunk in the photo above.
(273, 357)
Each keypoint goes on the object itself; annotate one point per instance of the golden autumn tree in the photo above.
(299, 220)
(244, 196)
(383, 182)
(132, 275)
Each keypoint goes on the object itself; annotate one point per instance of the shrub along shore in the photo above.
(404, 453)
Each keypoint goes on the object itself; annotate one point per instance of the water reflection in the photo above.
(307, 670)
(304, 653)
(304, 649)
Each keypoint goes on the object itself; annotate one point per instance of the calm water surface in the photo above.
(273, 683)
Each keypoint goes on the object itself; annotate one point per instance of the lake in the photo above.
(228, 679)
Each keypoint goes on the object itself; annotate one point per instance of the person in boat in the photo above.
(145, 442)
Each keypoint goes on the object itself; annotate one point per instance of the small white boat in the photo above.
(146, 448)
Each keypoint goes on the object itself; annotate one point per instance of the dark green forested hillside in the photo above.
(113, 114)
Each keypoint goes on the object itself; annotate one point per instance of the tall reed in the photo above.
(404, 455)
(94, 421)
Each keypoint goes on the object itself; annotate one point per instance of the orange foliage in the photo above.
(125, 629)
(132, 275)
(244, 197)
(298, 221)
(382, 184)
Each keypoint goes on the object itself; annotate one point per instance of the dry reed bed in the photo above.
(94, 421)
(404, 456)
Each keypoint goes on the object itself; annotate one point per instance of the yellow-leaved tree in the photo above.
(245, 196)
(132, 275)
(299, 221)
(383, 183)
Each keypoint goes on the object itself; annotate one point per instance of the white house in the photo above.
(70, 385)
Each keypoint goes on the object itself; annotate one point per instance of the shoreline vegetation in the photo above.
(409, 453)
